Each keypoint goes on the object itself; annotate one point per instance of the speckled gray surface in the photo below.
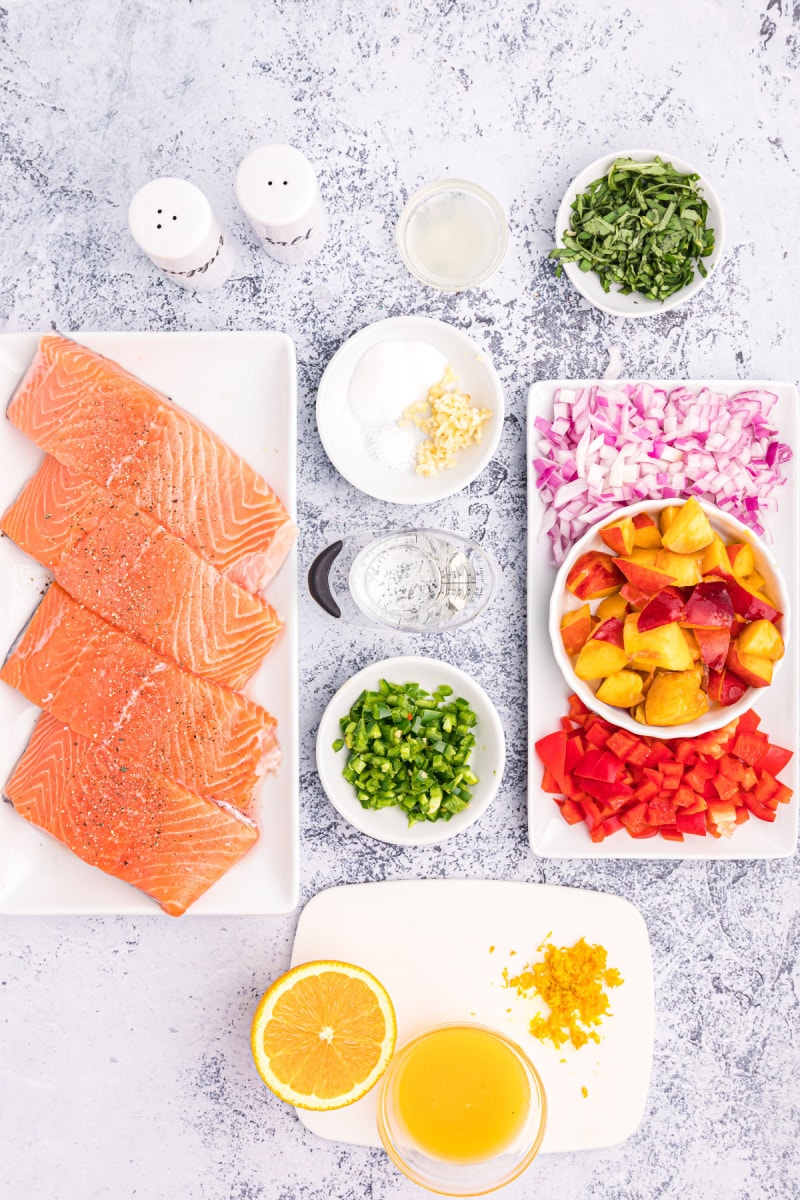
(125, 1067)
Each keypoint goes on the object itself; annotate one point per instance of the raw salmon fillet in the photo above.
(130, 822)
(145, 710)
(117, 560)
(92, 415)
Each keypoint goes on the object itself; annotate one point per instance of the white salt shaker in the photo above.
(173, 223)
(277, 188)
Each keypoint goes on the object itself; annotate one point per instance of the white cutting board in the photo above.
(428, 941)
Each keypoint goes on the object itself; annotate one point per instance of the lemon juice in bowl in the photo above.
(462, 1110)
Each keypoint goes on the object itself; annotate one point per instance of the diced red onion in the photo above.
(612, 445)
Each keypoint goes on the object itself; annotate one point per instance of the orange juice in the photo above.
(462, 1094)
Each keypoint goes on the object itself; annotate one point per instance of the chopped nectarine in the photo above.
(710, 605)
(610, 631)
(576, 627)
(632, 596)
(751, 605)
(664, 608)
(662, 647)
(713, 645)
(754, 669)
(594, 575)
(725, 687)
(693, 644)
(675, 698)
(623, 689)
(644, 578)
(690, 531)
(668, 515)
(754, 582)
(715, 559)
(741, 558)
(646, 534)
(618, 536)
(598, 659)
(763, 638)
(612, 606)
(682, 567)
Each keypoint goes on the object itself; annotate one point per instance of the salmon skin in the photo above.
(146, 711)
(130, 822)
(93, 416)
(117, 560)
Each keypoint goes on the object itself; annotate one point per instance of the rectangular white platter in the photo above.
(243, 386)
(428, 941)
(549, 834)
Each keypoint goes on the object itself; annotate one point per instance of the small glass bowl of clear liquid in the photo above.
(415, 580)
(452, 235)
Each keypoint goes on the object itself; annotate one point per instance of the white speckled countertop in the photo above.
(124, 1061)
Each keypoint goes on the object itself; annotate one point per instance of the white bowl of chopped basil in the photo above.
(411, 751)
(639, 232)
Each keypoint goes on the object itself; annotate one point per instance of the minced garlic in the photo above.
(570, 980)
(450, 420)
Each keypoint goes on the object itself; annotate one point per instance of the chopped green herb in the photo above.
(642, 226)
(410, 749)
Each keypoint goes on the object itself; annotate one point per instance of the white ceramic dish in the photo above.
(243, 386)
(731, 530)
(637, 305)
(549, 835)
(429, 942)
(342, 434)
(391, 824)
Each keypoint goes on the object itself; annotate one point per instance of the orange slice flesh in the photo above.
(323, 1035)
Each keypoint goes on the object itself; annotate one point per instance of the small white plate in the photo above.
(243, 387)
(391, 824)
(429, 941)
(637, 305)
(342, 434)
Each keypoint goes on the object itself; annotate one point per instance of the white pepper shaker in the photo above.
(173, 223)
(277, 188)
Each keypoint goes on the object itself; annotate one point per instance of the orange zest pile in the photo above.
(323, 1035)
(571, 981)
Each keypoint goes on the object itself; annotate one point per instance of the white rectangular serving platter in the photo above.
(549, 834)
(243, 386)
(430, 943)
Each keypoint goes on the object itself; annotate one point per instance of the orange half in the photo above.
(323, 1035)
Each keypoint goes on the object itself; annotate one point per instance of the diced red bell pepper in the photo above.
(552, 750)
(574, 752)
(783, 794)
(672, 768)
(750, 747)
(621, 743)
(670, 783)
(766, 787)
(571, 812)
(597, 734)
(661, 812)
(550, 783)
(592, 813)
(688, 822)
(647, 791)
(612, 794)
(758, 810)
(685, 752)
(599, 764)
(774, 759)
(635, 819)
(732, 768)
(726, 789)
(658, 753)
(684, 797)
(749, 722)
(612, 825)
(638, 756)
(742, 814)
(577, 707)
(671, 833)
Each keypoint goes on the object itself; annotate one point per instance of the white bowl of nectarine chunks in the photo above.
(668, 616)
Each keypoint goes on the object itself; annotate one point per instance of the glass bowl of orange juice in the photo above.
(461, 1110)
